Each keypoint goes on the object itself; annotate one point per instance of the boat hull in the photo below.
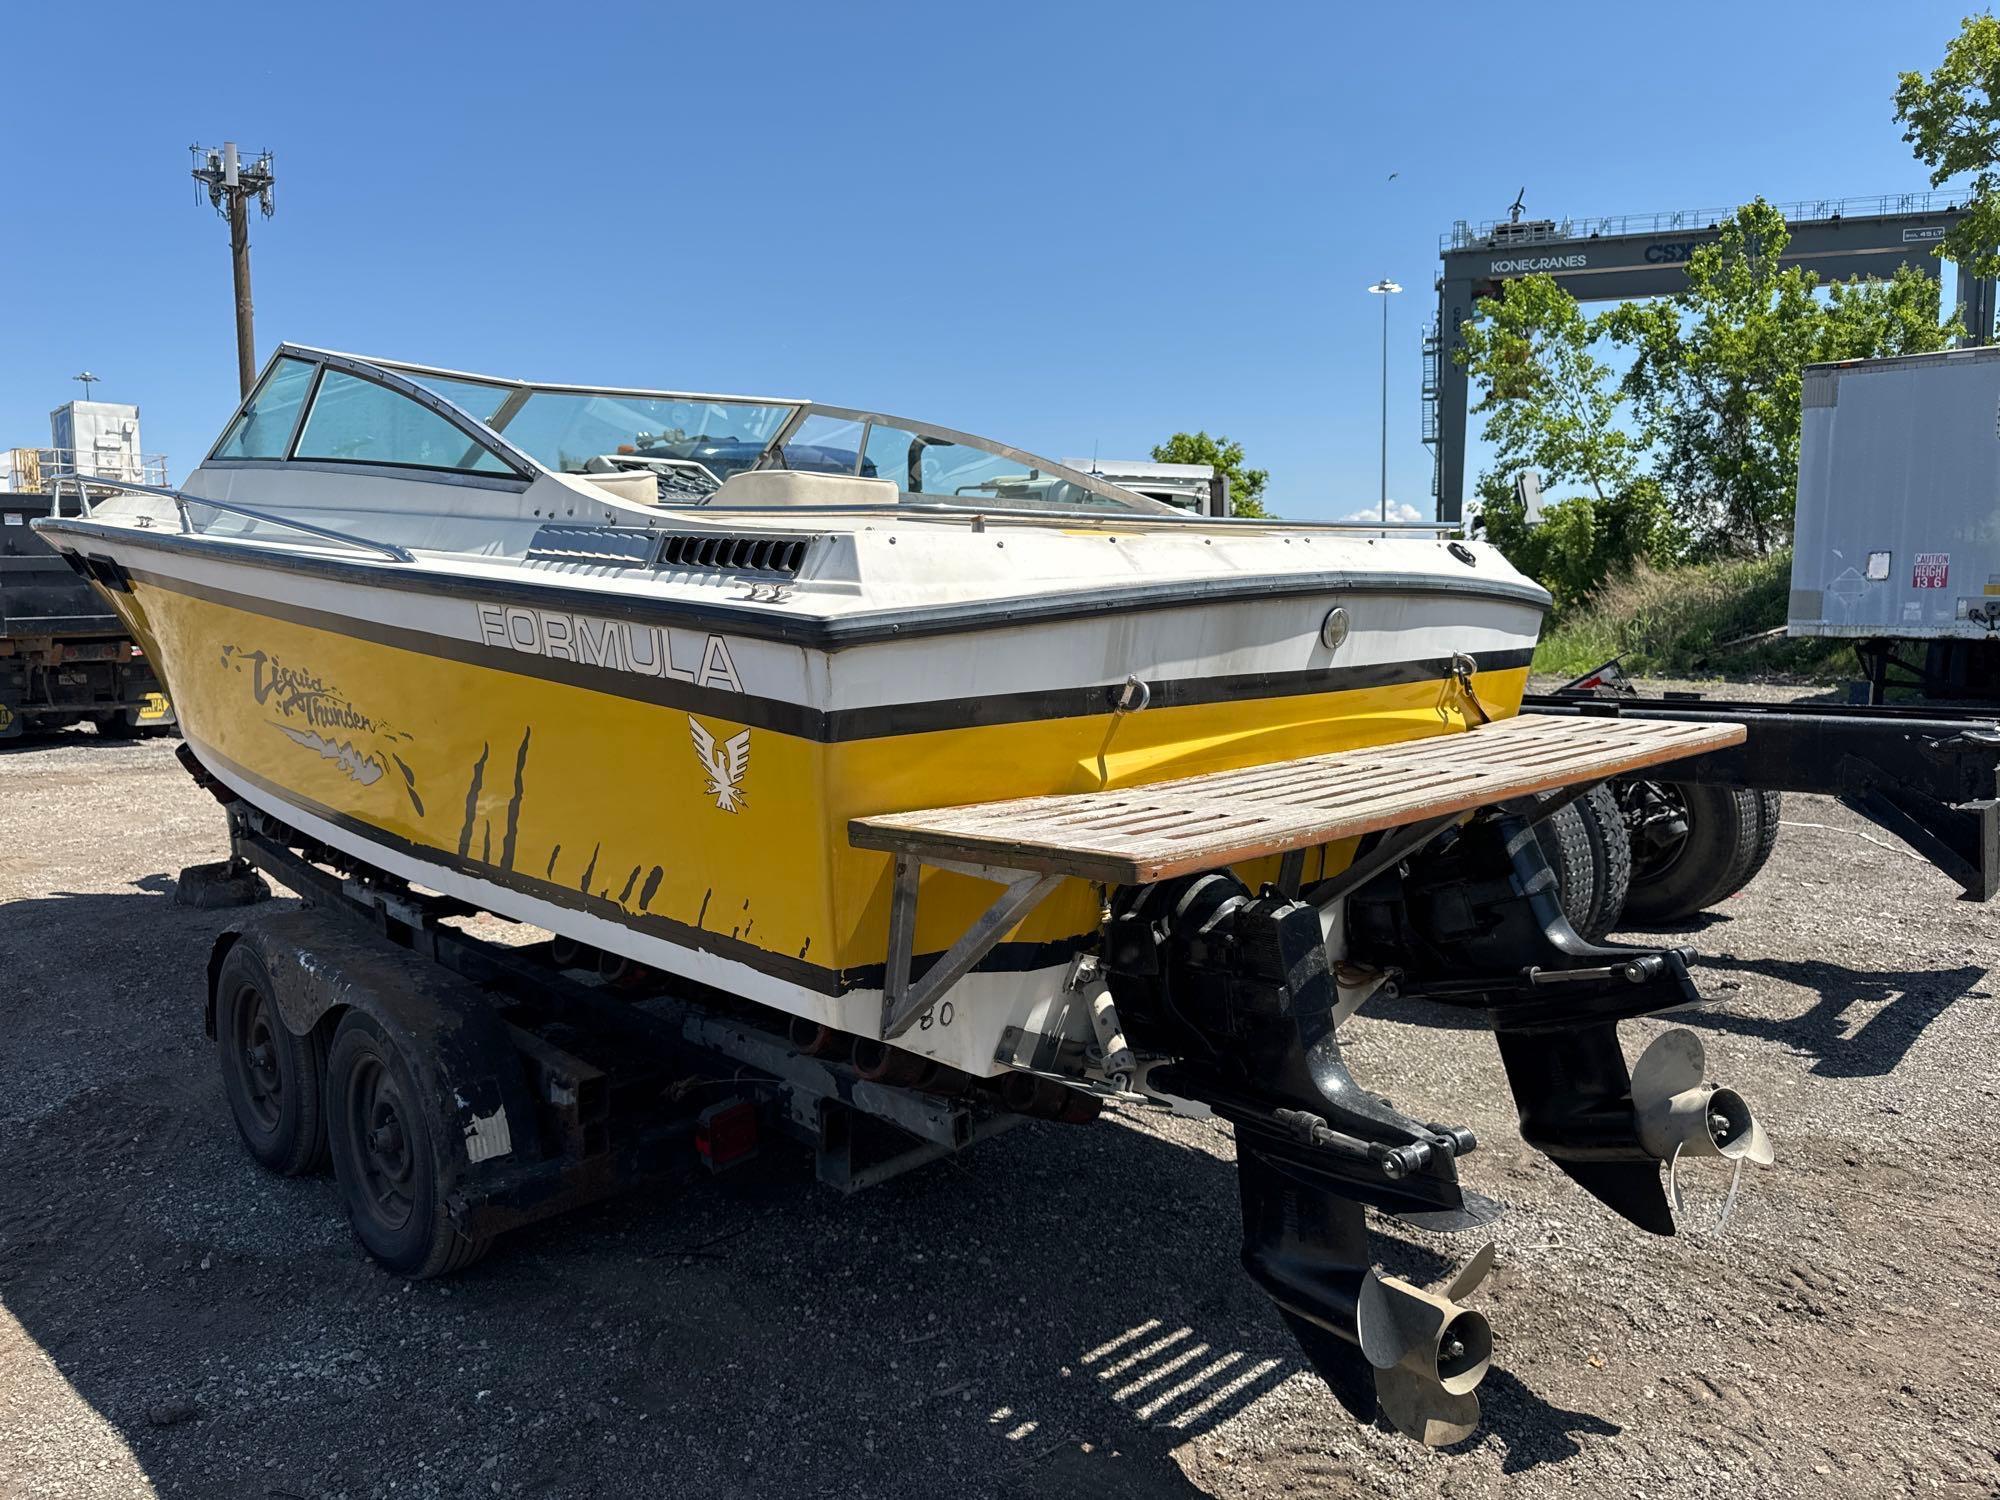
(680, 794)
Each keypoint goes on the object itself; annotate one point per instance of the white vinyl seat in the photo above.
(799, 487)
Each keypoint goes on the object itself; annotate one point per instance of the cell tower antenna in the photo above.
(230, 184)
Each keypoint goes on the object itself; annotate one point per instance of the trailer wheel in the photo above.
(385, 1156)
(116, 725)
(1610, 859)
(274, 1081)
(1692, 846)
(1770, 807)
(1565, 844)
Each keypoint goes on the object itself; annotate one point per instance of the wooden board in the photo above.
(1147, 833)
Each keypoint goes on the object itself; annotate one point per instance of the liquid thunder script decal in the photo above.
(316, 716)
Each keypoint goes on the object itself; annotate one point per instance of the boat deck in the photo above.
(1170, 828)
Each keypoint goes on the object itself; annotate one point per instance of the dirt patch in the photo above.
(1059, 1312)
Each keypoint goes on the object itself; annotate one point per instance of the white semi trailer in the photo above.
(1897, 542)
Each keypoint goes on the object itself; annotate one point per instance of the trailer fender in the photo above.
(456, 1045)
(217, 952)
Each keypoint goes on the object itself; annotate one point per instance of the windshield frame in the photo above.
(408, 379)
(1123, 499)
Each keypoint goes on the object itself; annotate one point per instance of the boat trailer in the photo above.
(470, 1087)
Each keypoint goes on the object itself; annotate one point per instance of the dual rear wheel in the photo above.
(1655, 852)
(343, 1092)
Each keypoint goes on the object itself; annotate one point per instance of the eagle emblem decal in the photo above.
(726, 767)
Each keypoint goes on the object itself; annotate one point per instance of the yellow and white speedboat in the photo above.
(624, 664)
(771, 696)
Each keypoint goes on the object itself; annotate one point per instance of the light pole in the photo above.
(1385, 288)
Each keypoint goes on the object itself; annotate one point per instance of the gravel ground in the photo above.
(1058, 1313)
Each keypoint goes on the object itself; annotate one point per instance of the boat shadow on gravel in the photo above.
(1051, 1315)
(1894, 1006)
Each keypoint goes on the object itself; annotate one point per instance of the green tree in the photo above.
(1582, 542)
(1246, 486)
(1716, 372)
(1549, 403)
(1952, 118)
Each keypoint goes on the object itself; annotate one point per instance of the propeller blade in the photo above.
(1756, 1146)
(1470, 1275)
(1394, 1319)
(1674, 1063)
(1418, 1408)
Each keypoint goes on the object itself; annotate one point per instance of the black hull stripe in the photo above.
(548, 591)
(1007, 958)
(820, 725)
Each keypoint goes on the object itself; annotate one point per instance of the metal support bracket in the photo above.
(904, 999)
(1394, 846)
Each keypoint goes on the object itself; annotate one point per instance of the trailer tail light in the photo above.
(725, 1134)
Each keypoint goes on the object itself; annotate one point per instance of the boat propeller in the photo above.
(1428, 1352)
(1680, 1113)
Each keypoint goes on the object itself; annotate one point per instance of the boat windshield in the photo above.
(692, 444)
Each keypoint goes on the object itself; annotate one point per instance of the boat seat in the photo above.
(803, 487)
(633, 486)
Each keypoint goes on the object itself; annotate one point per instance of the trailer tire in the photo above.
(1712, 861)
(1565, 844)
(1770, 807)
(385, 1156)
(1610, 859)
(116, 725)
(275, 1082)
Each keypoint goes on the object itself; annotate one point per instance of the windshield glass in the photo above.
(691, 444)
(937, 466)
(701, 442)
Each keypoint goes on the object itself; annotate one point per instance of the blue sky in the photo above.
(1076, 227)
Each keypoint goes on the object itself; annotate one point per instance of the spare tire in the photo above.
(1692, 846)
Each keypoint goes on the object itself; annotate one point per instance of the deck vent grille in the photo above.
(722, 553)
(628, 545)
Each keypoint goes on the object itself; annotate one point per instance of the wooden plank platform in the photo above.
(1148, 833)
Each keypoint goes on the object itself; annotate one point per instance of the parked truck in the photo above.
(64, 656)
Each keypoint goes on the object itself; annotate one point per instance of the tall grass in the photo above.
(1694, 621)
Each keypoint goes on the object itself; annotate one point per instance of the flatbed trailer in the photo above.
(1930, 775)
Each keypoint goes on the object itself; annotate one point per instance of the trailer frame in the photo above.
(1929, 775)
(616, 1077)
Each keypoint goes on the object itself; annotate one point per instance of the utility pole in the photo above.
(1385, 288)
(231, 183)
